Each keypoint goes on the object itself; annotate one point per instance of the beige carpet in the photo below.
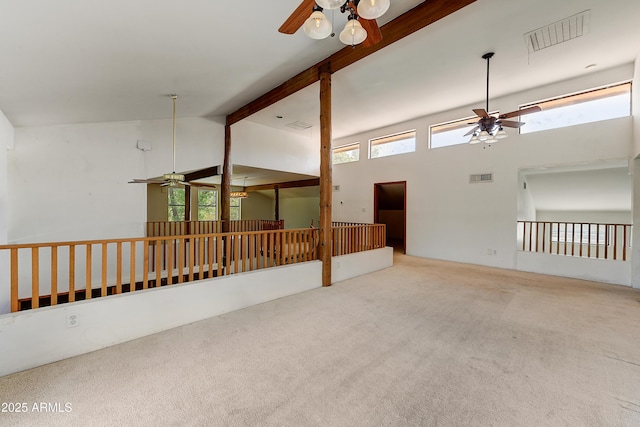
(424, 343)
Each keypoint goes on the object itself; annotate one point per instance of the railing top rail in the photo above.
(145, 239)
(573, 222)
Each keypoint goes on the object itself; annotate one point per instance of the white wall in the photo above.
(36, 337)
(449, 218)
(6, 142)
(298, 212)
(635, 167)
(257, 145)
(69, 182)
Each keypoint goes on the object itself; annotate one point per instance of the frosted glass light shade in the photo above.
(484, 135)
(474, 139)
(501, 134)
(330, 4)
(317, 26)
(372, 9)
(353, 33)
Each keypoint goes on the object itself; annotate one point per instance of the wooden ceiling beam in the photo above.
(202, 173)
(409, 22)
(290, 184)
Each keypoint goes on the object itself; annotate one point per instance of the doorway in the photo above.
(390, 207)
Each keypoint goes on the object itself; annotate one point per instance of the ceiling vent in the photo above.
(559, 32)
(481, 177)
(298, 125)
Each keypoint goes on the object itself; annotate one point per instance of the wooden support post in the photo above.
(276, 189)
(187, 207)
(325, 173)
(225, 187)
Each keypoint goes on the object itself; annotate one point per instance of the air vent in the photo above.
(298, 125)
(481, 177)
(559, 32)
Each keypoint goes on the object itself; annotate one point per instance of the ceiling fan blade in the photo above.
(183, 183)
(374, 35)
(472, 131)
(146, 181)
(511, 124)
(522, 112)
(481, 112)
(297, 18)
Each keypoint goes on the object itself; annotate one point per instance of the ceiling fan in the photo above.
(168, 179)
(361, 24)
(489, 128)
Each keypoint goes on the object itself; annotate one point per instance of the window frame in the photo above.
(577, 98)
(389, 139)
(345, 148)
(214, 205)
(170, 205)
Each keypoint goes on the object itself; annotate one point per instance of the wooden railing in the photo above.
(347, 239)
(590, 240)
(63, 272)
(181, 228)
(44, 274)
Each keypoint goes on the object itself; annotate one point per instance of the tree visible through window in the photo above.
(176, 204)
(234, 210)
(345, 153)
(391, 145)
(207, 205)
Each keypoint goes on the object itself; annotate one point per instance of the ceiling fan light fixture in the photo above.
(501, 134)
(372, 9)
(474, 139)
(483, 136)
(317, 26)
(353, 32)
(330, 4)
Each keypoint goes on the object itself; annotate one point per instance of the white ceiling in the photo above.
(72, 61)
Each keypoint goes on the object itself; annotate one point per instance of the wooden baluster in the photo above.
(201, 257)
(210, 242)
(88, 262)
(54, 275)
(15, 306)
(615, 242)
(170, 264)
(119, 268)
(219, 254)
(192, 258)
(597, 240)
(35, 278)
(236, 252)
(180, 265)
(146, 262)
(132, 267)
(159, 261)
(72, 271)
(104, 270)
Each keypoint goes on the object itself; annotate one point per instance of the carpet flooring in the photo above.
(423, 343)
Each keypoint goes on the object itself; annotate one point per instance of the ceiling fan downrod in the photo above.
(488, 56)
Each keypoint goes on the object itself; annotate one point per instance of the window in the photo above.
(451, 133)
(234, 208)
(176, 204)
(393, 144)
(591, 106)
(207, 205)
(345, 153)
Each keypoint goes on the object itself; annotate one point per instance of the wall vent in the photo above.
(481, 177)
(298, 125)
(559, 32)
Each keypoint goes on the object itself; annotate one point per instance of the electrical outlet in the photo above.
(72, 320)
